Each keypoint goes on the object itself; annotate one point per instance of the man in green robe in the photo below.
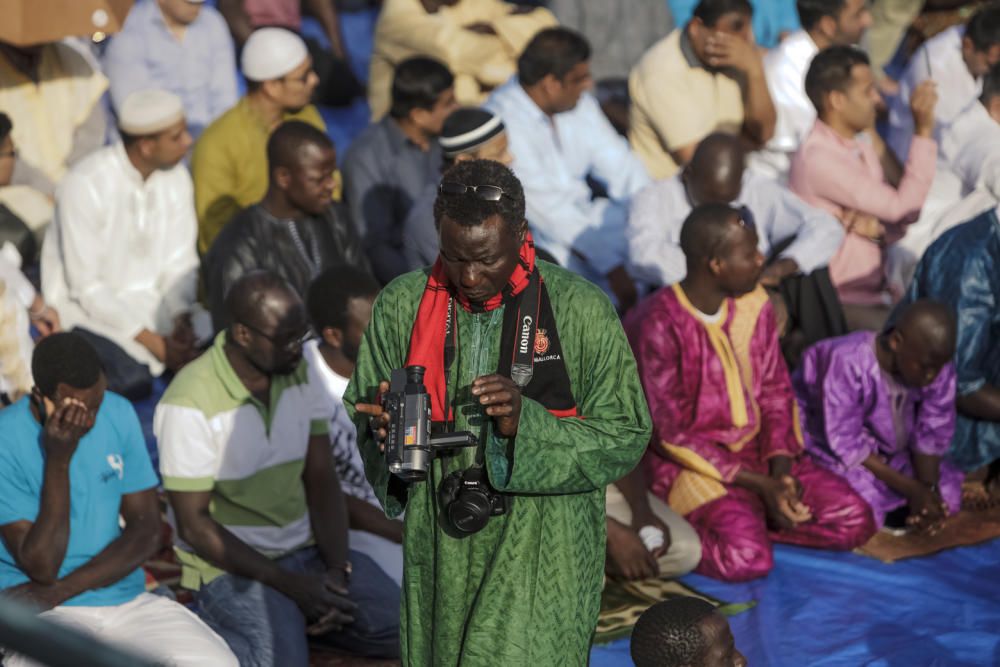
(524, 590)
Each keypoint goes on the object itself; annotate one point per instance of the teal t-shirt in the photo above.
(109, 462)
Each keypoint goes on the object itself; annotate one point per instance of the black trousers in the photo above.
(126, 376)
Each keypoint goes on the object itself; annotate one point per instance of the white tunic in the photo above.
(120, 255)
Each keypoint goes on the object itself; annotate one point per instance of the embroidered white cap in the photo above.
(271, 53)
(149, 111)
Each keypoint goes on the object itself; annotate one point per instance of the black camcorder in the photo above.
(468, 500)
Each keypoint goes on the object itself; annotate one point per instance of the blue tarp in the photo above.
(835, 609)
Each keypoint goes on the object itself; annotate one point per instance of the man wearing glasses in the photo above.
(261, 526)
(229, 164)
(727, 448)
(523, 589)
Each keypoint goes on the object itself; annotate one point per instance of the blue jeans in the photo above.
(264, 628)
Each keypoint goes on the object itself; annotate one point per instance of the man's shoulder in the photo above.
(665, 192)
(570, 290)
(15, 421)
(94, 168)
(199, 387)
(213, 22)
(220, 131)
(663, 57)
(404, 288)
(371, 140)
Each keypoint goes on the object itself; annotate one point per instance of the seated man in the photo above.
(716, 174)
(879, 410)
(337, 84)
(956, 60)
(962, 268)
(478, 40)
(52, 92)
(684, 632)
(705, 77)
(229, 163)
(645, 537)
(726, 453)
(858, 179)
(468, 133)
(119, 263)
(181, 46)
(390, 164)
(340, 307)
(296, 231)
(824, 23)
(797, 239)
(74, 460)
(260, 518)
(773, 20)
(525, 588)
(559, 137)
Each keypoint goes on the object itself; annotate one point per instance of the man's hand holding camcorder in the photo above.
(378, 418)
(501, 399)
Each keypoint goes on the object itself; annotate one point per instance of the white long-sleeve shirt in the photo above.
(961, 121)
(659, 211)
(16, 297)
(552, 159)
(785, 68)
(120, 255)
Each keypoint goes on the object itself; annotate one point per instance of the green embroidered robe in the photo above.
(526, 589)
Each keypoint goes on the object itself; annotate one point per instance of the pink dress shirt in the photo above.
(838, 174)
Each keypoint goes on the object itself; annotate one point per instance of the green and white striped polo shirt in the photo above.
(214, 436)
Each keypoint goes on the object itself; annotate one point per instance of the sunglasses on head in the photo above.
(483, 192)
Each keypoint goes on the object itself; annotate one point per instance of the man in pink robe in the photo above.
(727, 446)
(844, 167)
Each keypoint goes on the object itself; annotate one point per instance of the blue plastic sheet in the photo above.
(835, 609)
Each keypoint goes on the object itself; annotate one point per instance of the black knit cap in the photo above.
(468, 128)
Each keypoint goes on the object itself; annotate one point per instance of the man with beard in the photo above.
(260, 518)
(119, 262)
(727, 447)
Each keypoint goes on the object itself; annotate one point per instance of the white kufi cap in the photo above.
(149, 111)
(271, 53)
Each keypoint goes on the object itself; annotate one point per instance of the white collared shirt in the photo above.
(120, 255)
(659, 211)
(961, 121)
(552, 159)
(785, 68)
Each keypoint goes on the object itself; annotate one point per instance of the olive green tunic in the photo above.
(526, 589)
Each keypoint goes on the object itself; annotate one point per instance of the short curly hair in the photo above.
(65, 358)
(668, 633)
(468, 209)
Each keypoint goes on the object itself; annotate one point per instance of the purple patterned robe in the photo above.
(852, 409)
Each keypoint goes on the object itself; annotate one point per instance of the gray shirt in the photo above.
(420, 236)
(384, 172)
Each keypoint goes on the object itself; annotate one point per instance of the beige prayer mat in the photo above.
(963, 529)
(622, 602)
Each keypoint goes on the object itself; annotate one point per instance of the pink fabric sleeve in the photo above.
(672, 397)
(839, 177)
(777, 426)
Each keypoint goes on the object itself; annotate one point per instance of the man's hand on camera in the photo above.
(501, 400)
(378, 419)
